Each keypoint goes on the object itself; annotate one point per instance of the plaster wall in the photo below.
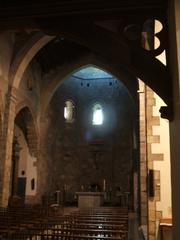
(31, 174)
(26, 163)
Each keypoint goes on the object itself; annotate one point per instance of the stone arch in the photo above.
(25, 55)
(25, 119)
(26, 104)
(24, 154)
(132, 57)
(27, 122)
(116, 50)
(62, 73)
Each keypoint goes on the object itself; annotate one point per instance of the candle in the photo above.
(104, 185)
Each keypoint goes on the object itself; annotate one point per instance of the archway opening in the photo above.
(91, 153)
(24, 151)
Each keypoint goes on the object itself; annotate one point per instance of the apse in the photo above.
(89, 133)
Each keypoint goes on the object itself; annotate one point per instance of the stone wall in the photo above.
(152, 152)
(15, 100)
(79, 154)
(151, 138)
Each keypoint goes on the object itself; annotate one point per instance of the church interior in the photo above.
(90, 119)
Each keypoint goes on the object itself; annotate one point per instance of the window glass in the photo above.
(69, 111)
(97, 115)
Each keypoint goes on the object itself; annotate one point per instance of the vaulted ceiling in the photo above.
(110, 29)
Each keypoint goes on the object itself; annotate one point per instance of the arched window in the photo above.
(69, 111)
(97, 115)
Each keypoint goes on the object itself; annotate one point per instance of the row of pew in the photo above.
(37, 223)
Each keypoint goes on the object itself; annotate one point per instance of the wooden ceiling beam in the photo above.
(75, 8)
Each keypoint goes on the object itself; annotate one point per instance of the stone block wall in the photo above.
(151, 138)
(150, 213)
(73, 161)
(15, 100)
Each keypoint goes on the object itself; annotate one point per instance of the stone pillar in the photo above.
(7, 146)
(150, 122)
(32, 136)
(149, 214)
(143, 156)
(153, 120)
(15, 164)
(42, 164)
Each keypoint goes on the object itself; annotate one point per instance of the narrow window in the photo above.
(97, 115)
(32, 184)
(69, 111)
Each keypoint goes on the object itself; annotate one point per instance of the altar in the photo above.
(90, 199)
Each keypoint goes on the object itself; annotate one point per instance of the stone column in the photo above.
(7, 145)
(150, 122)
(143, 156)
(42, 164)
(153, 120)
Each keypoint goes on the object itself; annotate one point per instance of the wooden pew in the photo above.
(55, 233)
(39, 224)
